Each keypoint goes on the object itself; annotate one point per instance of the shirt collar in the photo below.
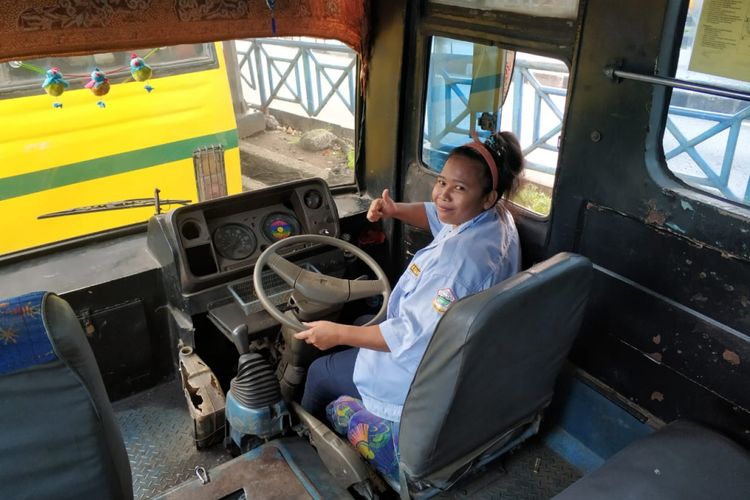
(489, 214)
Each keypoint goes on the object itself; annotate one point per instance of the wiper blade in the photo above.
(115, 205)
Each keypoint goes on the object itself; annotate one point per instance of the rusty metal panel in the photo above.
(691, 272)
(668, 321)
(204, 398)
(261, 473)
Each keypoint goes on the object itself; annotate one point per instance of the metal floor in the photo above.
(533, 472)
(158, 435)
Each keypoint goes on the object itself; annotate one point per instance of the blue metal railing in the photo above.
(524, 75)
(721, 122)
(295, 71)
(457, 119)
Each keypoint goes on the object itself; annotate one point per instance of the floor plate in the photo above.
(158, 434)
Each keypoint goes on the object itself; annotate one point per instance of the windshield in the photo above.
(94, 136)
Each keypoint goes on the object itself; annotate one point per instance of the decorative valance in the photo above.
(68, 27)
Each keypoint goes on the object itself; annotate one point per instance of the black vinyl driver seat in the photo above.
(489, 372)
(58, 435)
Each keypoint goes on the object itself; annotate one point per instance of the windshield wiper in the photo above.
(118, 205)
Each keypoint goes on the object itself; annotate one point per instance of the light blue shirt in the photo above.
(460, 261)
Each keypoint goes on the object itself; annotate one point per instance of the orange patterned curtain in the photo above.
(40, 28)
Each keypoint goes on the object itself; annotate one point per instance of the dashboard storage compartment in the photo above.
(201, 260)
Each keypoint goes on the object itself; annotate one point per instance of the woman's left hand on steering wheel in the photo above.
(321, 334)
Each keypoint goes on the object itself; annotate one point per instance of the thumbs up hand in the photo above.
(382, 208)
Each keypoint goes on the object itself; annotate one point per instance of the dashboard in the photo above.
(219, 240)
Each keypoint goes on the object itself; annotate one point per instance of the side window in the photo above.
(528, 99)
(704, 133)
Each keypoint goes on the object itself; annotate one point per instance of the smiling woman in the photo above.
(475, 246)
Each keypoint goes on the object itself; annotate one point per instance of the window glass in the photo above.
(208, 120)
(307, 89)
(704, 134)
(533, 110)
(545, 8)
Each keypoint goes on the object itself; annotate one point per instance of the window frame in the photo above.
(427, 37)
(655, 156)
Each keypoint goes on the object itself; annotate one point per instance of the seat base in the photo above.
(513, 439)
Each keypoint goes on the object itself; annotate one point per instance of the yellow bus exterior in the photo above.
(82, 154)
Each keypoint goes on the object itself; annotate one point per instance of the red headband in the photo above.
(480, 148)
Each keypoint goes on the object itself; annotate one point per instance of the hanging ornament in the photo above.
(141, 71)
(271, 5)
(54, 84)
(99, 83)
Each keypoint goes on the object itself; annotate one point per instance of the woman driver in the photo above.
(475, 246)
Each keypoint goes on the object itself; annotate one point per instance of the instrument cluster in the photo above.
(227, 234)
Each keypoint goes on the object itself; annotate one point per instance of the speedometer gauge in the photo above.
(278, 226)
(234, 241)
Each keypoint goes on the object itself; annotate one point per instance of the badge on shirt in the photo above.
(443, 299)
(415, 270)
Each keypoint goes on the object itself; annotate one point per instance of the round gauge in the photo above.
(278, 226)
(313, 199)
(234, 241)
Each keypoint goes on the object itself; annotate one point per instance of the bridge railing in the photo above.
(306, 77)
(536, 102)
(716, 164)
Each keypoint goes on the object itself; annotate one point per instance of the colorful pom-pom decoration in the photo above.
(54, 83)
(99, 83)
(141, 71)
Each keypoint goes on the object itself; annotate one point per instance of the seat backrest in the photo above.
(58, 435)
(491, 366)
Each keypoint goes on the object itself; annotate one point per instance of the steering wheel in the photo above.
(317, 287)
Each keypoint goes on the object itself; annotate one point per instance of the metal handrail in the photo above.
(614, 74)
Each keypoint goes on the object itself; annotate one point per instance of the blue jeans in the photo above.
(328, 378)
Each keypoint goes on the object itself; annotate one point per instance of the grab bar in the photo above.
(616, 74)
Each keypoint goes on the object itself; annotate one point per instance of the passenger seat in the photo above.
(682, 461)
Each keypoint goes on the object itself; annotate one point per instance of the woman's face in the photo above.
(458, 191)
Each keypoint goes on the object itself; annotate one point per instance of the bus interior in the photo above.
(628, 326)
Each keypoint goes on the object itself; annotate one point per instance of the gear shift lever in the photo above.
(240, 339)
